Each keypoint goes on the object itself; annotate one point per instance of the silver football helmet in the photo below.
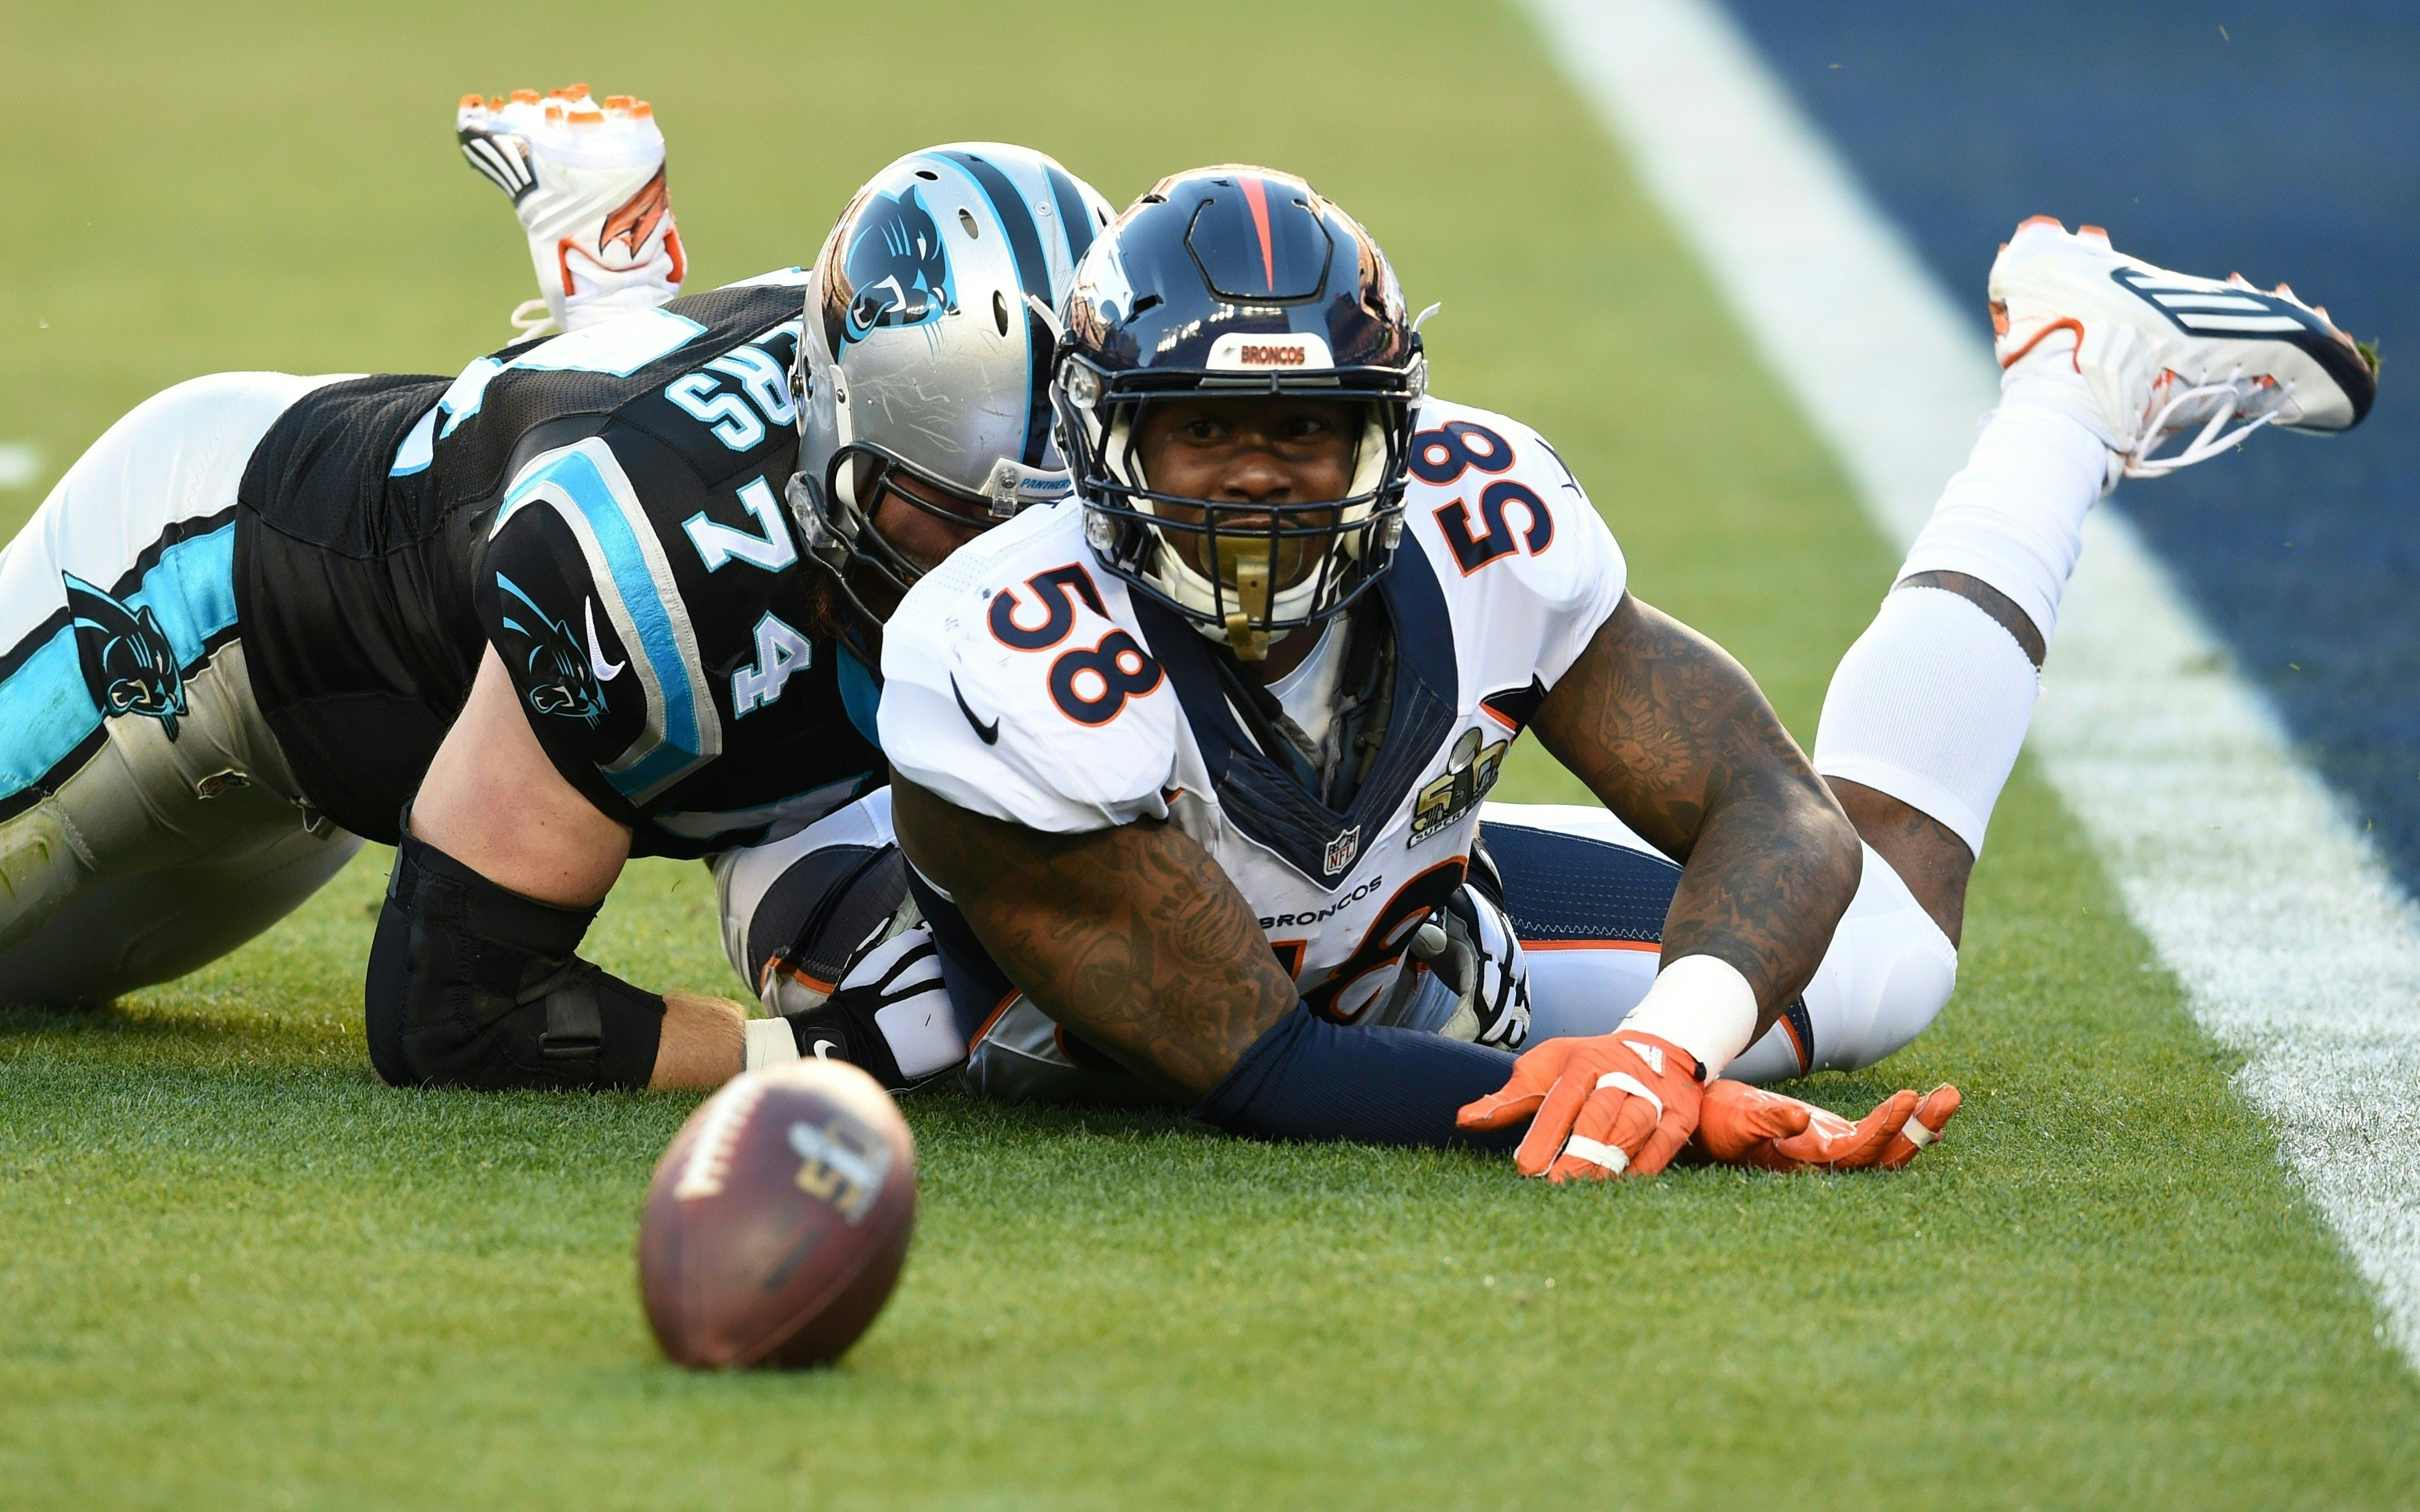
(926, 352)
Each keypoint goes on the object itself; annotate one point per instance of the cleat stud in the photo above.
(617, 102)
(642, 111)
(525, 97)
(2041, 220)
(474, 102)
(2283, 293)
(2093, 233)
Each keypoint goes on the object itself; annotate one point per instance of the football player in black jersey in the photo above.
(525, 623)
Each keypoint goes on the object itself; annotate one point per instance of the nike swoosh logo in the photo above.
(606, 670)
(991, 735)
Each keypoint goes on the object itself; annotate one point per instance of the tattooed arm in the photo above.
(1678, 741)
(1132, 936)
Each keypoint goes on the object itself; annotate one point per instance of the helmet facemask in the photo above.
(1246, 573)
(869, 571)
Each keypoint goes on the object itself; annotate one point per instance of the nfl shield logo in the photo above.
(1341, 850)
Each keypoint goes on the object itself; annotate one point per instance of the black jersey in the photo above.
(602, 508)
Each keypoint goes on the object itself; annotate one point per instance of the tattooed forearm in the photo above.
(1132, 936)
(1677, 739)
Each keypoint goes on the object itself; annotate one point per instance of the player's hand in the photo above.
(1598, 1106)
(1743, 1125)
(1735, 1122)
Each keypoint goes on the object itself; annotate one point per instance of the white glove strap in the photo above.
(1597, 1152)
(770, 1043)
(1702, 1004)
(1624, 1081)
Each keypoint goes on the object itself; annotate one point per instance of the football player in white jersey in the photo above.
(1192, 759)
(1247, 696)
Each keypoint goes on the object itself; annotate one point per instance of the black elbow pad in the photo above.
(472, 984)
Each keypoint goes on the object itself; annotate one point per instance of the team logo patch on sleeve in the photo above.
(1470, 769)
(129, 665)
(557, 674)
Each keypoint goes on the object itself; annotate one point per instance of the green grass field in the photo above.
(235, 1271)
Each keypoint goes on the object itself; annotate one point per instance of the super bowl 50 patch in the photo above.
(1471, 770)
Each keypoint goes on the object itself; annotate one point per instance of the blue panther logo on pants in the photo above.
(897, 268)
(128, 663)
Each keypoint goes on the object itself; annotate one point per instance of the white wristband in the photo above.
(1702, 1004)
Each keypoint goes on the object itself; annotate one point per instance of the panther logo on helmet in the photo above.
(896, 271)
(128, 663)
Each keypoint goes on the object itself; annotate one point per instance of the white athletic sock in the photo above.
(1932, 703)
(2014, 515)
(1930, 707)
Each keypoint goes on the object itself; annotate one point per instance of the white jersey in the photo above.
(1023, 681)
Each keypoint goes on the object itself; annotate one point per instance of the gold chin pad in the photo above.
(1243, 566)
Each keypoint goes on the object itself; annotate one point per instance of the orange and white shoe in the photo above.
(2167, 355)
(587, 180)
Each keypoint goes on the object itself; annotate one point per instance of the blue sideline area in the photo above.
(2280, 141)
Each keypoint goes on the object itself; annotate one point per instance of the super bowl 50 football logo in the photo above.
(1471, 770)
(841, 1164)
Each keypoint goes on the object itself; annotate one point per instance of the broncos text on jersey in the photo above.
(1022, 681)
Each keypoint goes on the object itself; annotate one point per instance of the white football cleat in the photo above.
(2166, 354)
(587, 181)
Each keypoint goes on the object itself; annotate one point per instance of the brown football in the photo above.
(777, 1222)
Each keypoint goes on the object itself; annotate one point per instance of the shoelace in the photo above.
(2213, 438)
(530, 317)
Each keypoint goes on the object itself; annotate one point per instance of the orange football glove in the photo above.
(1598, 1106)
(1932, 1115)
(1743, 1125)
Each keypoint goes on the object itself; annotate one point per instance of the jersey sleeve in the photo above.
(1583, 585)
(575, 594)
(1067, 725)
(1515, 539)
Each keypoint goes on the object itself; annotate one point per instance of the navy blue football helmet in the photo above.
(1237, 283)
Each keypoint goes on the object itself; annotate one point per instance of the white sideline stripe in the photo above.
(2294, 943)
(20, 463)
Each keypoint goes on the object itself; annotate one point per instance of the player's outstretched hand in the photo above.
(1598, 1106)
(1743, 1125)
